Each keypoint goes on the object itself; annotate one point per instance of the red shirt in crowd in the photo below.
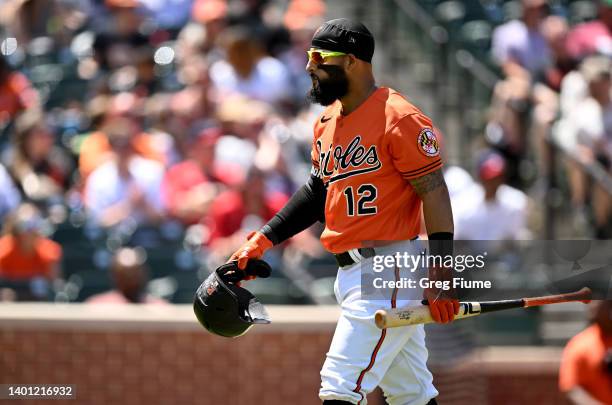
(586, 39)
(228, 212)
(16, 94)
(15, 264)
(185, 176)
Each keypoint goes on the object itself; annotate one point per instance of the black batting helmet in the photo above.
(226, 309)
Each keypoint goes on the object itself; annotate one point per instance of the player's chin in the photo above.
(315, 96)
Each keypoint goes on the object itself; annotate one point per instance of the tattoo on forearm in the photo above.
(428, 183)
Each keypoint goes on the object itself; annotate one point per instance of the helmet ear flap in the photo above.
(249, 306)
(258, 312)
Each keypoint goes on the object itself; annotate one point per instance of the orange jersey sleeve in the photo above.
(414, 147)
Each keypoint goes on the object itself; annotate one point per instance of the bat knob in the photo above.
(379, 318)
(586, 293)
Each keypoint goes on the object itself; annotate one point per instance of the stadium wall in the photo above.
(159, 355)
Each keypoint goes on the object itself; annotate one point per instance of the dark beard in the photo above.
(330, 89)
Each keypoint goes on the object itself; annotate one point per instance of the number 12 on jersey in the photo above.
(366, 194)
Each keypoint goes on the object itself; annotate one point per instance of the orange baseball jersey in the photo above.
(582, 364)
(366, 159)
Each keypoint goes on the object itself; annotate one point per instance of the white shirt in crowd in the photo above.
(504, 218)
(9, 195)
(514, 41)
(269, 81)
(574, 89)
(106, 188)
(458, 181)
(590, 125)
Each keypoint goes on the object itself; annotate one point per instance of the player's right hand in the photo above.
(443, 304)
(254, 248)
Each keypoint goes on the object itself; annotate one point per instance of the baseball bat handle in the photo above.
(582, 295)
(419, 314)
(396, 317)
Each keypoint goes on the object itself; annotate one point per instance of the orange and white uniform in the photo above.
(366, 159)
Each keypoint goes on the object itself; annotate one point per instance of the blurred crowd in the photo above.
(144, 117)
(556, 66)
(554, 59)
(136, 114)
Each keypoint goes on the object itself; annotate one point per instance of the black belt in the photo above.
(353, 256)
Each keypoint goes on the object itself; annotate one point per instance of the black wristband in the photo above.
(269, 233)
(441, 244)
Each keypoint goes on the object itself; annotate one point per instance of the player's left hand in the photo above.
(254, 248)
(443, 304)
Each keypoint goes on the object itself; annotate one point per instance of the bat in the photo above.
(393, 318)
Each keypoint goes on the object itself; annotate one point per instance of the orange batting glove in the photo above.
(254, 248)
(443, 303)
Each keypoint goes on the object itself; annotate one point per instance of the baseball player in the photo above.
(375, 162)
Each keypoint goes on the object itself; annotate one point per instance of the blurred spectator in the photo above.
(9, 195)
(16, 93)
(491, 210)
(574, 89)
(212, 14)
(248, 70)
(302, 18)
(459, 182)
(191, 107)
(191, 41)
(120, 35)
(130, 276)
(243, 117)
(41, 169)
(95, 148)
(519, 46)
(190, 186)
(245, 208)
(301, 13)
(592, 37)
(170, 14)
(585, 375)
(72, 17)
(28, 260)
(545, 96)
(555, 30)
(587, 132)
(26, 19)
(128, 185)
(521, 49)
(259, 137)
(507, 128)
(162, 132)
